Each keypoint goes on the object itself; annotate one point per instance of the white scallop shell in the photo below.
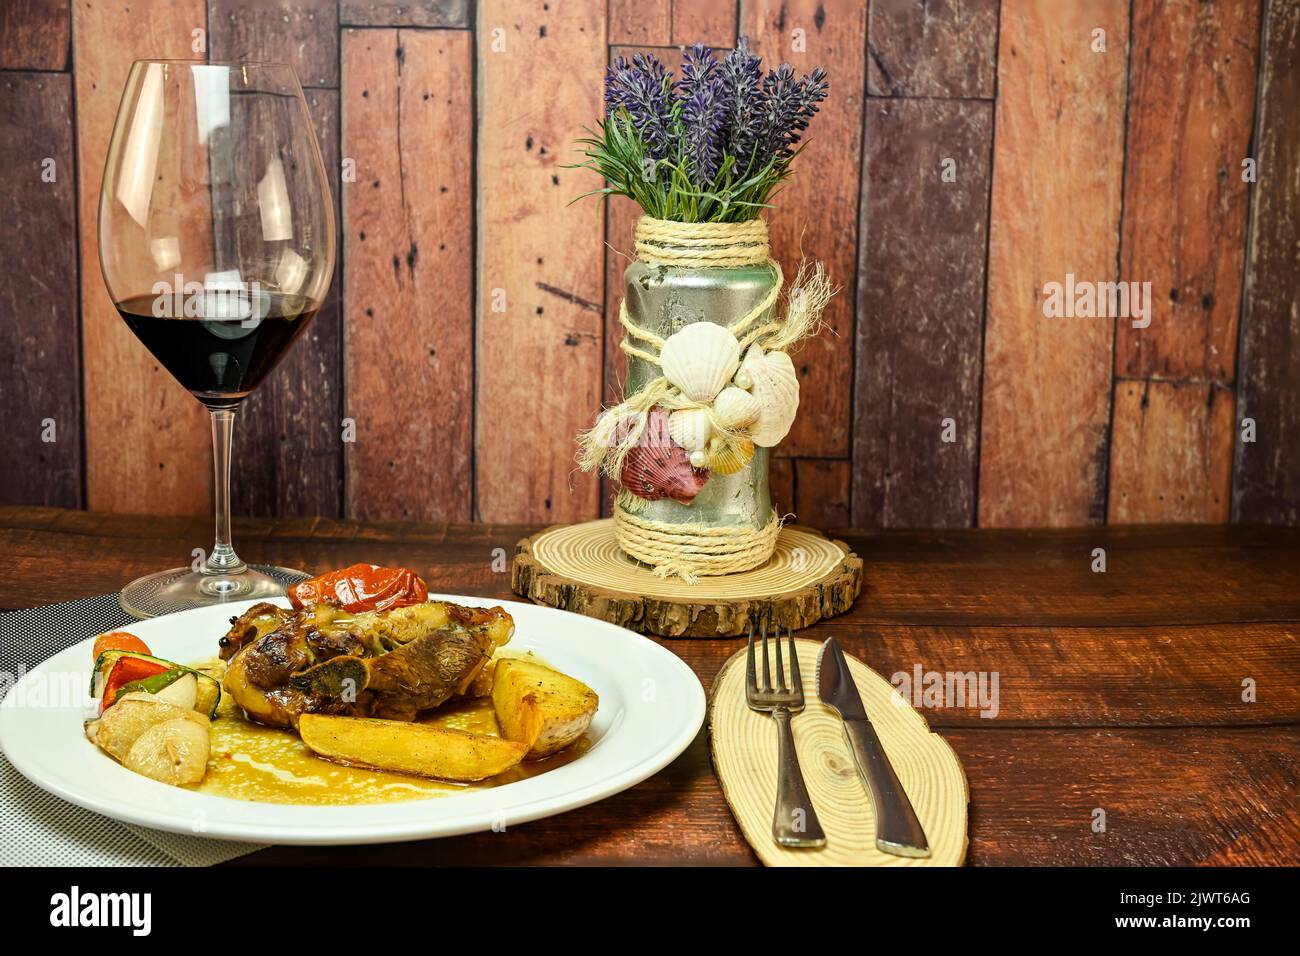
(691, 428)
(700, 359)
(736, 408)
(776, 386)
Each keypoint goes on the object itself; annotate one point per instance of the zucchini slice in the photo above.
(209, 688)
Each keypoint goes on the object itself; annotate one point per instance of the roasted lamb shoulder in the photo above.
(394, 663)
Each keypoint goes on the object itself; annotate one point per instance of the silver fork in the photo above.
(794, 822)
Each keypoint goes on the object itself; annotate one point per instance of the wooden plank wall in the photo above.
(819, 220)
(540, 301)
(1192, 81)
(39, 357)
(291, 459)
(35, 35)
(971, 153)
(1058, 165)
(148, 444)
(1266, 479)
(921, 261)
(408, 124)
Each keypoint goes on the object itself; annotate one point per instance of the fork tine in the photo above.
(751, 684)
(767, 675)
(780, 667)
(795, 680)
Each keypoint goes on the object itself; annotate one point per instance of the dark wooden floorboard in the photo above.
(1155, 576)
(1118, 692)
(1169, 798)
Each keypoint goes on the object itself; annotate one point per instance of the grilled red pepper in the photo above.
(125, 671)
(362, 587)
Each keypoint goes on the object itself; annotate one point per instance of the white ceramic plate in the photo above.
(651, 708)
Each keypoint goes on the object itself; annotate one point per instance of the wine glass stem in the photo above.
(223, 559)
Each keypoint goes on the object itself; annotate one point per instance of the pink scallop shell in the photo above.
(657, 467)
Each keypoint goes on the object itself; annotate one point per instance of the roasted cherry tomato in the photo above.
(362, 587)
(126, 671)
(119, 641)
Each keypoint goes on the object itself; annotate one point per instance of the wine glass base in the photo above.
(181, 589)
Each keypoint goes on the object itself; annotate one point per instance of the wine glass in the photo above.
(216, 240)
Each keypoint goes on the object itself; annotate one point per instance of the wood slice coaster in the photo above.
(581, 568)
(744, 748)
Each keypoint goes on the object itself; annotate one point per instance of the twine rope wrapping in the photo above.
(690, 551)
(701, 245)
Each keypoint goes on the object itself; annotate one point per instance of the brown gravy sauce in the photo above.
(269, 765)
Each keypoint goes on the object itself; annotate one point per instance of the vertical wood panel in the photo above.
(288, 446)
(821, 493)
(148, 443)
(1168, 460)
(408, 124)
(640, 22)
(1266, 482)
(816, 215)
(539, 361)
(621, 215)
(302, 33)
(1189, 127)
(291, 458)
(920, 311)
(1058, 165)
(34, 34)
(41, 397)
(712, 23)
(404, 13)
(932, 49)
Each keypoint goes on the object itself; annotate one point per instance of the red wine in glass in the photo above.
(216, 240)
(220, 360)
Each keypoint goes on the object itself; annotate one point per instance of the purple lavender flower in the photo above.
(643, 88)
(742, 74)
(787, 106)
(722, 114)
(707, 107)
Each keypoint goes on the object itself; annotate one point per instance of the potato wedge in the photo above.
(131, 716)
(409, 748)
(539, 706)
(174, 752)
(481, 684)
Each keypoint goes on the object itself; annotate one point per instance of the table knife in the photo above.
(898, 831)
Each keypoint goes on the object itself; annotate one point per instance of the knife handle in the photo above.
(898, 831)
(794, 822)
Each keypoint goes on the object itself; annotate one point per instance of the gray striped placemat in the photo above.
(40, 829)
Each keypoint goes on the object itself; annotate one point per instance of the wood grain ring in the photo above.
(580, 568)
(744, 749)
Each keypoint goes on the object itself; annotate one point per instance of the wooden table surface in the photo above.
(1120, 691)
